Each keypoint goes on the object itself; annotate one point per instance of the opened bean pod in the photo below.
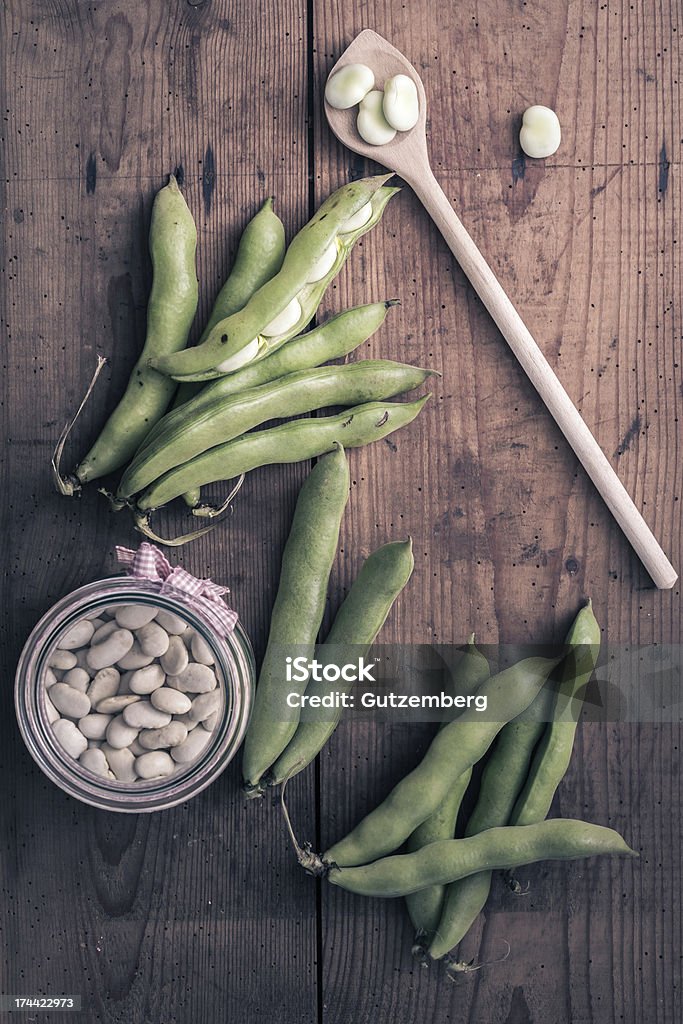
(171, 309)
(297, 441)
(282, 307)
(450, 859)
(453, 750)
(298, 610)
(381, 579)
(226, 418)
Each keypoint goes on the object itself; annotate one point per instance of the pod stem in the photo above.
(454, 968)
(142, 525)
(419, 948)
(70, 485)
(208, 511)
(116, 504)
(309, 860)
(515, 886)
(254, 790)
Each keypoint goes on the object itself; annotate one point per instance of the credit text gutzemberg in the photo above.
(302, 670)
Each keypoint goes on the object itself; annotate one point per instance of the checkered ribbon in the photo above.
(206, 597)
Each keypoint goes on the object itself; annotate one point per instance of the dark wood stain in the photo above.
(629, 438)
(664, 165)
(91, 174)
(208, 179)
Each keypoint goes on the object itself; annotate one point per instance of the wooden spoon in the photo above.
(407, 155)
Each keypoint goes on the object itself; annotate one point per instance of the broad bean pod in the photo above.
(425, 907)
(452, 751)
(229, 339)
(450, 859)
(334, 339)
(381, 579)
(296, 441)
(171, 309)
(370, 380)
(554, 752)
(298, 610)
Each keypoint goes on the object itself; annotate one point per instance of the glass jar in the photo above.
(234, 664)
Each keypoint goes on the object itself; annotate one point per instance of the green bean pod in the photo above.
(554, 752)
(298, 610)
(425, 907)
(453, 750)
(370, 380)
(381, 579)
(259, 257)
(450, 859)
(296, 441)
(334, 339)
(229, 342)
(171, 309)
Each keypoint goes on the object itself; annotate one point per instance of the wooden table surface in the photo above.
(200, 915)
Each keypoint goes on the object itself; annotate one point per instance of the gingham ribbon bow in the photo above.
(205, 596)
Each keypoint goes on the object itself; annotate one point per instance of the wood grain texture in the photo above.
(509, 534)
(199, 915)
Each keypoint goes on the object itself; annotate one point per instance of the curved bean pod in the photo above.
(370, 380)
(452, 751)
(171, 309)
(425, 907)
(296, 441)
(381, 579)
(334, 339)
(551, 760)
(298, 610)
(259, 257)
(232, 335)
(444, 862)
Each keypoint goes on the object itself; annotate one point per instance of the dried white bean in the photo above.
(349, 85)
(159, 739)
(82, 661)
(176, 658)
(211, 722)
(105, 630)
(94, 744)
(49, 678)
(94, 726)
(152, 639)
(112, 705)
(96, 623)
(111, 650)
(68, 737)
(192, 747)
(143, 716)
(205, 705)
(105, 684)
(284, 321)
(77, 635)
(154, 765)
(187, 721)
(148, 679)
(78, 678)
(135, 658)
(133, 616)
(95, 761)
(196, 679)
(69, 701)
(120, 733)
(136, 748)
(62, 660)
(172, 701)
(121, 761)
(540, 134)
(50, 710)
(400, 104)
(171, 622)
(201, 651)
(124, 685)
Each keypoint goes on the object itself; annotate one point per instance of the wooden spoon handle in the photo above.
(541, 375)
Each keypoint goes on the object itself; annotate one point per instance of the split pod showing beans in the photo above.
(298, 611)
(224, 419)
(171, 310)
(282, 307)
